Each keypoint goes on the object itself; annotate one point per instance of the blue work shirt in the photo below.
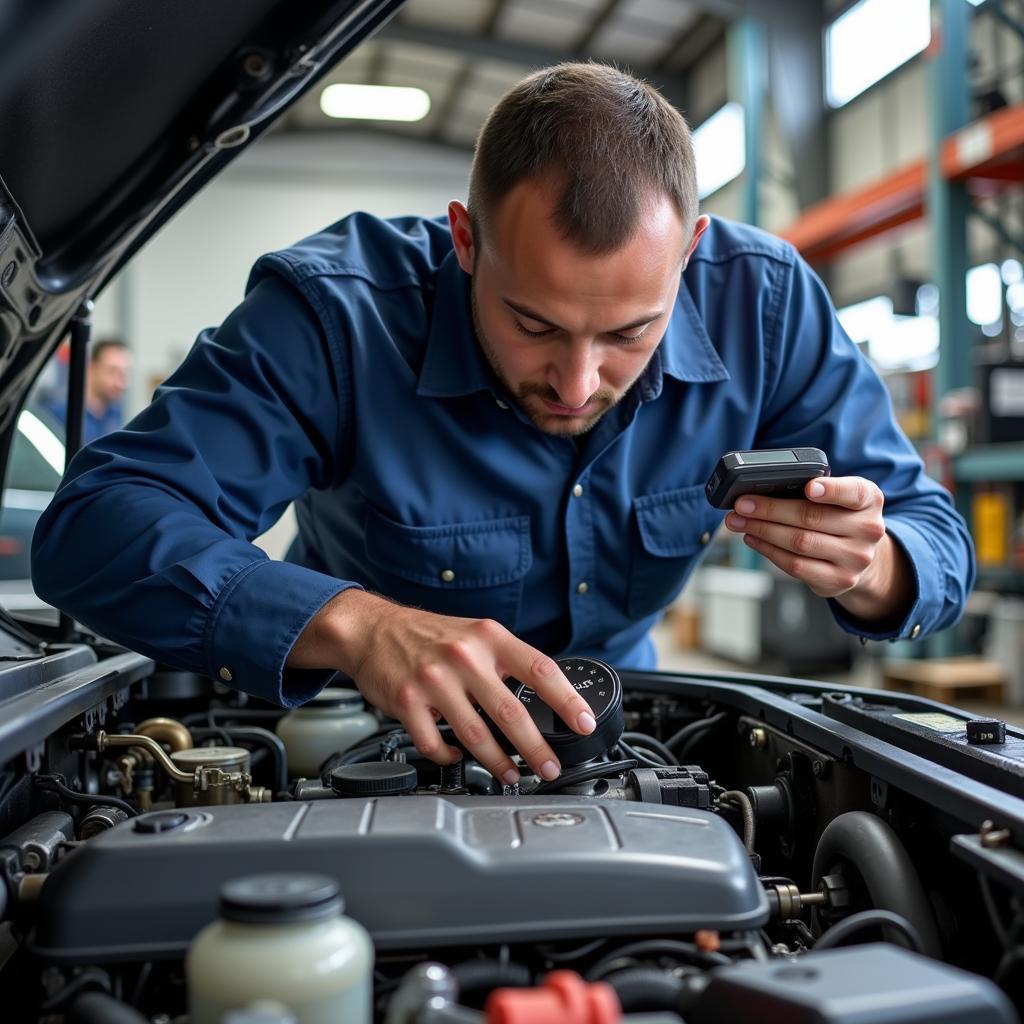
(350, 381)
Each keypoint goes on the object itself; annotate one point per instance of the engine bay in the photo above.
(726, 848)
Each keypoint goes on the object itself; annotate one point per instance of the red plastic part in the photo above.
(564, 998)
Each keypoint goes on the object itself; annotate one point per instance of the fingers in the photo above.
(420, 723)
(543, 675)
(474, 734)
(825, 578)
(852, 492)
(853, 553)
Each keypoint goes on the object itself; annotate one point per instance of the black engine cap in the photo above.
(374, 778)
(160, 821)
(278, 898)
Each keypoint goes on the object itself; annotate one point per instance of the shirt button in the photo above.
(448, 575)
(225, 674)
(915, 632)
(501, 404)
(704, 538)
(582, 588)
(577, 491)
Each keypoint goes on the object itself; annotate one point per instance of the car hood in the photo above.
(113, 115)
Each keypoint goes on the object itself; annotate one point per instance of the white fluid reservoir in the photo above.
(282, 937)
(332, 722)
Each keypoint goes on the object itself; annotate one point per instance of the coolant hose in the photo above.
(646, 989)
(874, 849)
(485, 975)
(101, 1008)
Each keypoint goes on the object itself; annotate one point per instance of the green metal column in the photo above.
(948, 205)
(746, 53)
(748, 86)
(948, 209)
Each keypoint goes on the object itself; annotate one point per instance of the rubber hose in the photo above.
(872, 847)
(842, 930)
(270, 741)
(100, 1008)
(646, 990)
(484, 975)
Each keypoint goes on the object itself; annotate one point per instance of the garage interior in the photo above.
(894, 167)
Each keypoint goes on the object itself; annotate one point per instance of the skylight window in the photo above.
(720, 149)
(873, 38)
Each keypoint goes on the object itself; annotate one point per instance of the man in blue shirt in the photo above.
(106, 381)
(496, 432)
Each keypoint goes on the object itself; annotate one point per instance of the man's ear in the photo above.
(462, 235)
(698, 230)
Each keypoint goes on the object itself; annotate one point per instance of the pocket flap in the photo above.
(674, 524)
(488, 553)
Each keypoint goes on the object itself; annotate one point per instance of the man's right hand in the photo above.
(418, 667)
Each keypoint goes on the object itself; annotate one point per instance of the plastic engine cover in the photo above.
(414, 870)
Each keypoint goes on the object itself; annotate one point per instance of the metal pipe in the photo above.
(167, 730)
(104, 741)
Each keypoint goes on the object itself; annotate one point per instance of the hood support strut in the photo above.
(81, 332)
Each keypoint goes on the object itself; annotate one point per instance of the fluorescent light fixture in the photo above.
(375, 102)
(719, 146)
(984, 295)
(871, 39)
(43, 439)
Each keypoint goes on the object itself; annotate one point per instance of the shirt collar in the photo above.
(686, 350)
(454, 365)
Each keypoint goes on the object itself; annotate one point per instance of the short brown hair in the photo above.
(607, 139)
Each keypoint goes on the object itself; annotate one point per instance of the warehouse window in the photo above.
(720, 149)
(873, 38)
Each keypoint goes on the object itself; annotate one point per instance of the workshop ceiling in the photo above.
(467, 53)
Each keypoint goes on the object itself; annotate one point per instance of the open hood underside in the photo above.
(112, 116)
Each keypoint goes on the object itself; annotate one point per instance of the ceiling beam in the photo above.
(691, 43)
(599, 21)
(462, 76)
(480, 47)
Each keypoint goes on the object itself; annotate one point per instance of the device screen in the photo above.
(757, 458)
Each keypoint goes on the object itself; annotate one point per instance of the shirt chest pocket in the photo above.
(671, 530)
(473, 569)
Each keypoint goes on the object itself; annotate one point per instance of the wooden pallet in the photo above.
(947, 679)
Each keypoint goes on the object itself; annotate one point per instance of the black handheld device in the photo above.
(779, 473)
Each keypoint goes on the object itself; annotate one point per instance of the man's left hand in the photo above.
(834, 541)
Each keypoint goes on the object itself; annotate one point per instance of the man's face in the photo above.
(565, 331)
(110, 374)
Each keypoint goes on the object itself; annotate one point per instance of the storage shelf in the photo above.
(994, 462)
(988, 153)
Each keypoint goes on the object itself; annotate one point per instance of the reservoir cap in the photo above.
(279, 898)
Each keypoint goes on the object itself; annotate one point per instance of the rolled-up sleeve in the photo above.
(149, 538)
(821, 391)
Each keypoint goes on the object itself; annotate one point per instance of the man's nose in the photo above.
(575, 376)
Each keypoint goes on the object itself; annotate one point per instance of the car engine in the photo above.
(720, 848)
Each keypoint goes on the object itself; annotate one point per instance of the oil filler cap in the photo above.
(160, 821)
(375, 778)
(599, 685)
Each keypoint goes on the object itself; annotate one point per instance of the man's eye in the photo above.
(531, 334)
(631, 339)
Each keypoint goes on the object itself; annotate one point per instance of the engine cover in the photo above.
(414, 870)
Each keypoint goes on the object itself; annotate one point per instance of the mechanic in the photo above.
(496, 431)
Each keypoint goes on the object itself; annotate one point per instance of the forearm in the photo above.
(336, 636)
